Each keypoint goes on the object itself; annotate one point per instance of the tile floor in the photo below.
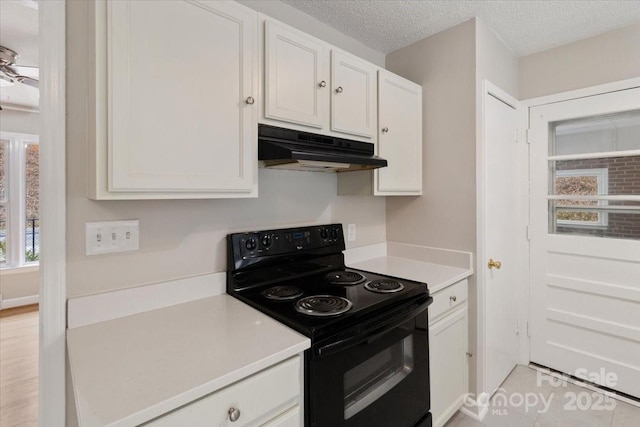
(529, 399)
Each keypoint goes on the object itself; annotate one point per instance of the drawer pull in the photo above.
(234, 414)
(453, 298)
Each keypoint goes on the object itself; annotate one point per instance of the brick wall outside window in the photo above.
(624, 179)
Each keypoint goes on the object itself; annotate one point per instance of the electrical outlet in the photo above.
(351, 232)
(112, 236)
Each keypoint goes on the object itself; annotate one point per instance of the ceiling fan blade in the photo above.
(28, 81)
(28, 71)
(14, 73)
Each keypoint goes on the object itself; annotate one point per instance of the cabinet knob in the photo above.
(234, 414)
(385, 129)
(322, 84)
(453, 298)
(339, 89)
(250, 100)
(494, 264)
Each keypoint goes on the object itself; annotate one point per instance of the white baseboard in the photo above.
(474, 409)
(19, 302)
(87, 310)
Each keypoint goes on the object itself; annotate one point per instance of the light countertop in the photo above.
(436, 276)
(132, 369)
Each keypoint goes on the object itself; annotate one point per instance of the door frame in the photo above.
(488, 90)
(52, 345)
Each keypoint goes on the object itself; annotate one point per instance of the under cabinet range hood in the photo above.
(280, 148)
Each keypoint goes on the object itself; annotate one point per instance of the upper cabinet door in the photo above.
(296, 81)
(182, 78)
(400, 136)
(353, 95)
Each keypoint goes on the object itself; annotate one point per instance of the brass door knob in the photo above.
(494, 264)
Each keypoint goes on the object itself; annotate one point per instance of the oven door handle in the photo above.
(373, 334)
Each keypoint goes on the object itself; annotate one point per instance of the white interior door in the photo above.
(585, 247)
(503, 236)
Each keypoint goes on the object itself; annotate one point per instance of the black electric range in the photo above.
(369, 338)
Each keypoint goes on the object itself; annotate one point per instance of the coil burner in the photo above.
(386, 286)
(345, 278)
(323, 305)
(282, 293)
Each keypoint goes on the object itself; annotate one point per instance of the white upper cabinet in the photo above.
(180, 82)
(296, 79)
(309, 85)
(353, 95)
(399, 137)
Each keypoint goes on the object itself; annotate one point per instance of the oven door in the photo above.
(379, 377)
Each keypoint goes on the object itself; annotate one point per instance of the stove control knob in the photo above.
(324, 233)
(266, 241)
(334, 233)
(251, 244)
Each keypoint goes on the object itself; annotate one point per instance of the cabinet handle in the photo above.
(385, 130)
(234, 414)
(453, 298)
(250, 100)
(339, 89)
(322, 84)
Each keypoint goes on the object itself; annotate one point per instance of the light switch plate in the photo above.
(112, 236)
(351, 232)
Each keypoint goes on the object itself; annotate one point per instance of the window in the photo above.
(583, 182)
(594, 167)
(19, 199)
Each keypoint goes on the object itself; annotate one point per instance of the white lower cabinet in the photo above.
(448, 346)
(270, 398)
(291, 418)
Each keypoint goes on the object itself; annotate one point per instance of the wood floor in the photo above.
(19, 367)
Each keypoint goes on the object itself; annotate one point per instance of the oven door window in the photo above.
(370, 380)
(377, 380)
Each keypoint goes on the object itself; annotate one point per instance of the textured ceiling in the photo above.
(525, 26)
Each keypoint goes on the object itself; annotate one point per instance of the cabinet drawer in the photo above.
(448, 298)
(291, 418)
(258, 398)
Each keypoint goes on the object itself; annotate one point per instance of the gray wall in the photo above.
(444, 217)
(604, 58)
(450, 66)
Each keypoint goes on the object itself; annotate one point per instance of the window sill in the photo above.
(28, 268)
